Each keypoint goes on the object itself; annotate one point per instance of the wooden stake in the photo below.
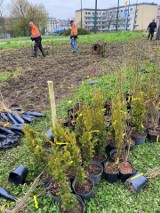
(52, 102)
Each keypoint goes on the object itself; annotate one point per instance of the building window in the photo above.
(131, 9)
(121, 11)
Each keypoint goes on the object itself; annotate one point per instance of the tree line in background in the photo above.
(14, 18)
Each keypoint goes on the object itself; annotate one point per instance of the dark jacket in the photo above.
(152, 26)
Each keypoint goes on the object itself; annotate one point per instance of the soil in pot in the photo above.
(125, 167)
(111, 168)
(111, 172)
(53, 188)
(93, 169)
(84, 187)
(100, 158)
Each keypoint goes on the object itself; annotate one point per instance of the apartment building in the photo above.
(130, 17)
(57, 24)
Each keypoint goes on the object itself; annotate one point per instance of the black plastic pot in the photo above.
(153, 138)
(132, 145)
(136, 182)
(97, 178)
(110, 177)
(6, 195)
(139, 140)
(124, 177)
(88, 195)
(112, 152)
(80, 201)
(18, 175)
(50, 135)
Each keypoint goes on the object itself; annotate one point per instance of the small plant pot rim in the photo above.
(18, 175)
(124, 176)
(111, 177)
(87, 195)
(97, 177)
(112, 152)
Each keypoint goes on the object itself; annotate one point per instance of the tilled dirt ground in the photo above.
(27, 85)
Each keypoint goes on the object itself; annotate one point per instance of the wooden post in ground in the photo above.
(52, 102)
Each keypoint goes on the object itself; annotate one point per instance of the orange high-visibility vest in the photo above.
(34, 31)
(74, 29)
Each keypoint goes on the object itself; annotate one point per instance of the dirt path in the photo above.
(27, 85)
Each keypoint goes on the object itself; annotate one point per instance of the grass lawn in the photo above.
(48, 40)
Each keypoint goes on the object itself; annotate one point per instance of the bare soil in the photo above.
(27, 85)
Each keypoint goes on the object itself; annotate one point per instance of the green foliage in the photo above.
(21, 12)
(119, 122)
(84, 131)
(99, 123)
(63, 160)
(34, 144)
(138, 111)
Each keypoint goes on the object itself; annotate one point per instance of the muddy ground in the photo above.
(27, 85)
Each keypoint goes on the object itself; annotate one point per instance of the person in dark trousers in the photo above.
(73, 36)
(151, 29)
(36, 36)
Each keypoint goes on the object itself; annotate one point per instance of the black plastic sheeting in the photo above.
(11, 124)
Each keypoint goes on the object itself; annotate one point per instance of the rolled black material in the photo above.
(11, 118)
(36, 114)
(18, 175)
(6, 195)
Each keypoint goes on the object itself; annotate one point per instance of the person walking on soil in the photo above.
(151, 28)
(36, 36)
(73, 36)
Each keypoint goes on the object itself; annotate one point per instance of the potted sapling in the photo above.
(137, 117)
(87, 139)
(152, 112)
(58, 164)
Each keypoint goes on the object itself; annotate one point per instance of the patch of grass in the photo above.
(4, 76)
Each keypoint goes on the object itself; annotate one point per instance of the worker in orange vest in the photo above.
(36, 36)
(73, 36)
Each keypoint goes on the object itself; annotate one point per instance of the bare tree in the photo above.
(2, 18)
(21, 12)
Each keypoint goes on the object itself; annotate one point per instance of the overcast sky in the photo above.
(66, 8)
